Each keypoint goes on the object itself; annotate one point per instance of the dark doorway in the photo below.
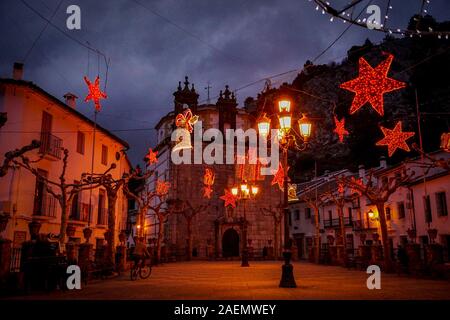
(300, 246)
(230, 243)
(447, 244)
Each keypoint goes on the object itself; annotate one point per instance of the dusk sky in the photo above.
(223, 42)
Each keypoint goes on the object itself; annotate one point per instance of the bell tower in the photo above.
(227, 110)
(186, 96)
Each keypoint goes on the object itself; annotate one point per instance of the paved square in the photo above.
(227, 280)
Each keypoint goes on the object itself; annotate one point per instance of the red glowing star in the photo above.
(395, 139)
(278, 177)
(95, 94)
(340, 128)
(162, 187)
(371, 84)
(207, 190)
(229, 199)
(151, 157)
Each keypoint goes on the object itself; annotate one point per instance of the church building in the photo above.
(216, 232)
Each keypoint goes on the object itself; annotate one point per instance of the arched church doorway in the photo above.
(230, 243)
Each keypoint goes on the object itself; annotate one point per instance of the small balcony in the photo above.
(102, 217)
(80, 212)
(45, 207)
(361, 225)
(51, 146)
(334, 223)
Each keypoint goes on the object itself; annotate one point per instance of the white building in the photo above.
(34, 114)
(420, 205)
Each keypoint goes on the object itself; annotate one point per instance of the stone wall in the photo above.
(187, 184)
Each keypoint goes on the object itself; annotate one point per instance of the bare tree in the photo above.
(277, 216)
(161, 212)
(112, 187)
(189, 212)
(433, 162)
(11, 155)
(338, 198)
(63, 192)
(315, 202)
(17, 153)
(378, 194)
(143, 198)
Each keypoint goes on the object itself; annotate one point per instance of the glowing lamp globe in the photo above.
(234, 191)
(285, 122)
(284, 106)
(304, 125)
(372, 214)
(264, 125)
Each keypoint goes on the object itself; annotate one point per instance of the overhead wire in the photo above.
(42, 31)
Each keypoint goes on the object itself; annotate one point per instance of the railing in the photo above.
(102, 216)
(360, 225)
(51, 145)
(81, 212)
(16, 254)
(335, 222)
(48, 207)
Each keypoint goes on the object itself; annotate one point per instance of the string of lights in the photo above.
(346, 16)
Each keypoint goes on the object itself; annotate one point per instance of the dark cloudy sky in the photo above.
(222, 41)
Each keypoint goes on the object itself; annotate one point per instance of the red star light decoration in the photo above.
(95, 93)
(395, 139)
(151, 157)
(229, 198)
(162, 187)
(340, 129)
(371, 85)
(278, 177)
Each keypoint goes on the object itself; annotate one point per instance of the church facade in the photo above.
(214, 232)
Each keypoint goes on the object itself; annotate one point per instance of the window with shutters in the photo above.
(401, 210)
(104, 155)
(80, 142)
(388, 213)
(307, 213)
(441, 204)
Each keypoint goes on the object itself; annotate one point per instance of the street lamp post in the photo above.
(245, 192)
(288, 139)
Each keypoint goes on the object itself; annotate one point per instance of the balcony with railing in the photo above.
(102, 217)
(45, 206)
(51, 146)
(80, 212)
(334, 223)
(361, 225)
